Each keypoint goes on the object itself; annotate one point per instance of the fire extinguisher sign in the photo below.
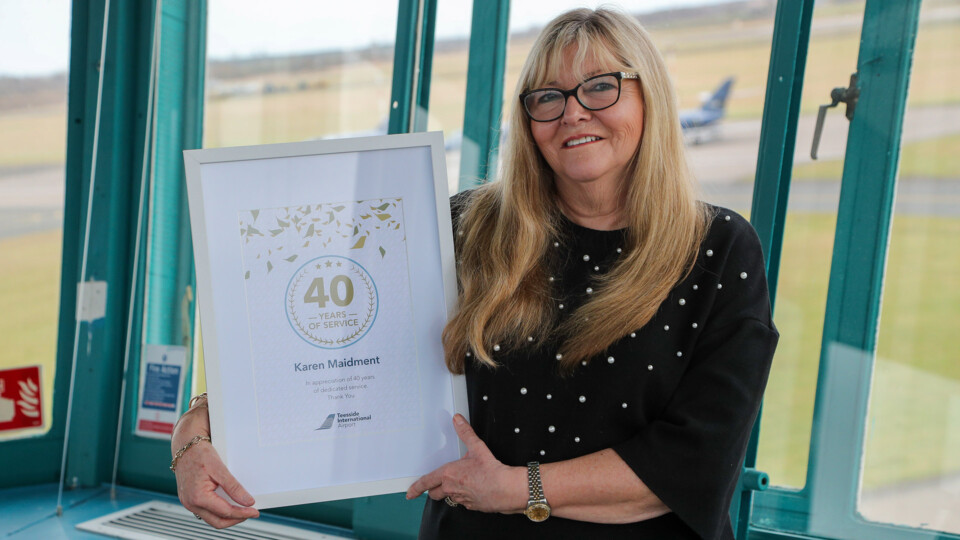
(20, 404)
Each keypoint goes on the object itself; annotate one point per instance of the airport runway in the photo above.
(31, 198)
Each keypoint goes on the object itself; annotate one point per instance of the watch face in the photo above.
(538, 512)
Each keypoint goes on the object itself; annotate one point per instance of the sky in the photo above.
(35, 34)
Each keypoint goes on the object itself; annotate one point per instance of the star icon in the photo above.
(319, 267)
(329, 264)
(339, 264)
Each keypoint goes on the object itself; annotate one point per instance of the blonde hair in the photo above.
(506, 227)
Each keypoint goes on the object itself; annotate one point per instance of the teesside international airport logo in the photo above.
(343, 420)
(331, 302)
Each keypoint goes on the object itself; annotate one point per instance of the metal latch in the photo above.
(847, 95)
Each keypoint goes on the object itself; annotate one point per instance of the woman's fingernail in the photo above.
(457, 419)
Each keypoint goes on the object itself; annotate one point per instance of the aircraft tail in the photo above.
(718, 100)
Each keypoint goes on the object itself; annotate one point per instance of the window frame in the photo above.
(827, 505)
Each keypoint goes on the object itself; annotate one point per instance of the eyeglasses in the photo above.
(595, 93)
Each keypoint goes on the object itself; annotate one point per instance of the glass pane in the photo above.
(34, 56)
(801, 295)
(448, 87)
(287, 70)
(911, 473)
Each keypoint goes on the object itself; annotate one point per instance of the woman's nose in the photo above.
(574, 111)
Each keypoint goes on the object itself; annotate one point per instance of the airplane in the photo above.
(702, 125)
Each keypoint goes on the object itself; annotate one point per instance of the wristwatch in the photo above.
(538, 509)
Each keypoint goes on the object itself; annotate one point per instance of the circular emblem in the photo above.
(331, 302)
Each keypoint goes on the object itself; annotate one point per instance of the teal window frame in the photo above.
(826, 507)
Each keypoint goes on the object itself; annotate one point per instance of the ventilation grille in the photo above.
(159, 520)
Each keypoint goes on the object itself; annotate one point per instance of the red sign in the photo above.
(20, 403)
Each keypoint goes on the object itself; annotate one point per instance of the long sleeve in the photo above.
(690, 455)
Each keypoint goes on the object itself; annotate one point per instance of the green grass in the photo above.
(29, 305)
(914, 411)
(931, 159)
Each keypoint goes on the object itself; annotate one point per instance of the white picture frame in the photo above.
(276, 229)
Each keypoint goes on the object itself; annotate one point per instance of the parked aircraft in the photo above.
(702, 125)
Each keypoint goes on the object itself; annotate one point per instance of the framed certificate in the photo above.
(325, 276)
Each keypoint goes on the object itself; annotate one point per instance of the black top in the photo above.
(675, 399)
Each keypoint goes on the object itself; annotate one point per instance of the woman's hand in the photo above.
(478, 480)
(200, 472)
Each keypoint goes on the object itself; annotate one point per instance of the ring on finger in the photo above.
(450, 501)
(196, 515)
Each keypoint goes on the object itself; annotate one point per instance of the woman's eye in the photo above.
(547, 97)
(600, 86)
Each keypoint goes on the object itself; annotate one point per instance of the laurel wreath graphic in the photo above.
(371, 307)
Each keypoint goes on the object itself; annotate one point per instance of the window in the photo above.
(33, 125)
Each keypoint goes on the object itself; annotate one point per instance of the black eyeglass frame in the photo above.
(620, 75)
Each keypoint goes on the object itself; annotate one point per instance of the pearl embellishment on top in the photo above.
(583, 399)
(719, 285)
(709, 253)
(666, 327)
(530, 339)
(589, 290)
(650, 367)
(523, 391)
(586, 258)
(610, 360)
(683, 302)
(633, 334)
(694, 325)
(496, 347)
(624, 405)
(583, 362)
(559, 356)
(576, 439)
(619, 250)
(543, 453)
(551, 429)
(469, 354)
(556, 244)
(550, 279)
(560, 306)
(679, 354)
(743, 275)
(549, 396)
(596, 268)
(516, 430)
(726, 218)
(484, 398)
(696, 287)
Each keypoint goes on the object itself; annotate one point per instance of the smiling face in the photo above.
(591, 147)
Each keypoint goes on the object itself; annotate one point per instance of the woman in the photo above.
(615, 332)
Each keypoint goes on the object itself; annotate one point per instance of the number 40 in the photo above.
(317, 293)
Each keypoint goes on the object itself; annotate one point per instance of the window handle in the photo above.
(848, 95)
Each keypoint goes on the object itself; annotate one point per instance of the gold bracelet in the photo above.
(180, 452)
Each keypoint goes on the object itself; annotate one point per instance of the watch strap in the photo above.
(534, 484)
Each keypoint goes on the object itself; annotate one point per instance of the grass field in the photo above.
(934, 159)
(29, 303)
(917, 377)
